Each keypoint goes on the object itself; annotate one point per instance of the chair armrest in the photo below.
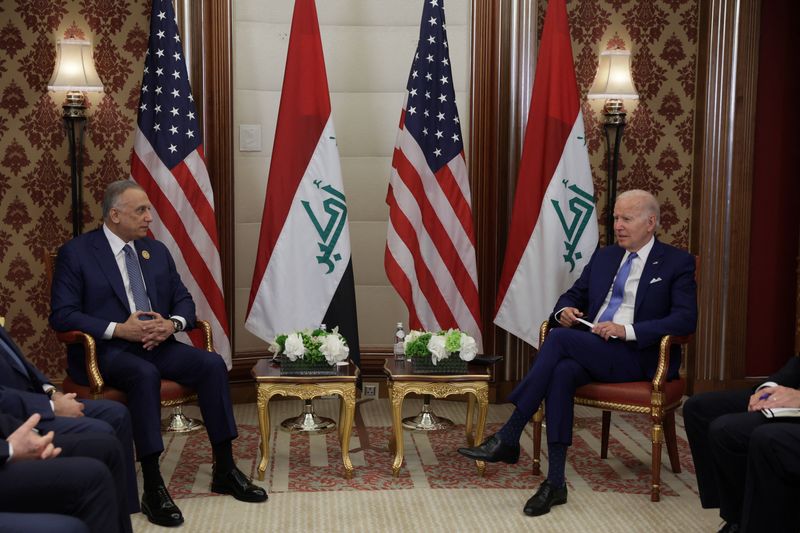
(208, 338)
(667, 341)
(96, 382)
(544, 329)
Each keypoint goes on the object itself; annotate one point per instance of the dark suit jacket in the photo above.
(88, 291)
(22, 394)
(666, 298)
(789, 374)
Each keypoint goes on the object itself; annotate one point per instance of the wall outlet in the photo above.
(369, 390)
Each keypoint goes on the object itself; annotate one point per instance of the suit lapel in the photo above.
(108, 265)
(144, 254)
(650, 272)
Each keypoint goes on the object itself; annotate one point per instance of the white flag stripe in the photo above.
(436, 197)
(459, 169)
(292, 284)
(200, 173)
(177, 198)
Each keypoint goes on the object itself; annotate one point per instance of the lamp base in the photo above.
(426, 420)
(308, 422)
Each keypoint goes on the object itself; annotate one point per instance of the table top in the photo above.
(266, 372)
(401, 371)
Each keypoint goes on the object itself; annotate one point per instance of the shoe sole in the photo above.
(249, 499)
(163, 523)
(469, 455)
(557, 502)
(487, 460)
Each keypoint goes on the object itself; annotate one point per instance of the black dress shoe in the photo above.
(729, 527)
(546, 497)
(235, 483)
(493, 450)
(159, 508)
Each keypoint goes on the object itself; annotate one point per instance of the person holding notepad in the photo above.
(633, 292)
(746, 450)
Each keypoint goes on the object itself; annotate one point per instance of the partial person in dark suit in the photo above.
(49, 481)
(122, 288)
(24, 390)
(634, 292)
(748, 465)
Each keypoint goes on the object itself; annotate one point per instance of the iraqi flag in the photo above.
(554, 224)
(303, 275)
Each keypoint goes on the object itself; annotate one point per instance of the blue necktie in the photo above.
(13, 355)
(135, 279)
(618, 291)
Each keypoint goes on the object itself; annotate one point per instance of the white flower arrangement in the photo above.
(313, 346)
(440, 345)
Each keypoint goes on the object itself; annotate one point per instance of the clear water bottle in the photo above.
(399, 339)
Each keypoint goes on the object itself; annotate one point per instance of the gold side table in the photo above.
(475, 384)
(269, 383)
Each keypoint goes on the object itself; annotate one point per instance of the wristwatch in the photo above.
(177, 323)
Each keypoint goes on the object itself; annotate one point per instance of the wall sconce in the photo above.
(75, 73)
(614, 83)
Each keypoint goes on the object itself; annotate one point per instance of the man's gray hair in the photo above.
(648, 202)
(113, 192)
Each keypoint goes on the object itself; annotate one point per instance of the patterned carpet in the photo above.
(308, 469)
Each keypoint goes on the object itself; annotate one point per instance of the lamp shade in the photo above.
(75, 67)
(613, 80)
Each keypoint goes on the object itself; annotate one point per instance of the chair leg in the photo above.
(604, 436)
(537, 441)
(671, 440)
(655, 489)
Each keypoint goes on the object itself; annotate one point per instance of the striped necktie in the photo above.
(618, 291)
(135, 279)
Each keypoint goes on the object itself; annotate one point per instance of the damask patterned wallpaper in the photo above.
(34, 170)
(35, 202)
(657, 145)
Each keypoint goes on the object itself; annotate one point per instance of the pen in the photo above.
(764, 396)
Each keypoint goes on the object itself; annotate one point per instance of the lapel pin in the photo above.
(145, 254)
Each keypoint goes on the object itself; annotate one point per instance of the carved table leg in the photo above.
(483, 409)
(263, 426)
(397, 428)
(346, 426)
(470, 416)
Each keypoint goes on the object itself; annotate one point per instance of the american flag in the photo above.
(168, 162)
(430, 248)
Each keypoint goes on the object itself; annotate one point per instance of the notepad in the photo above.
(590, 325)
(780, 412)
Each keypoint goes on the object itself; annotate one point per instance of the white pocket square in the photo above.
(655, 280)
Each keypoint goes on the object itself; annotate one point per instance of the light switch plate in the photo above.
(249, 137)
